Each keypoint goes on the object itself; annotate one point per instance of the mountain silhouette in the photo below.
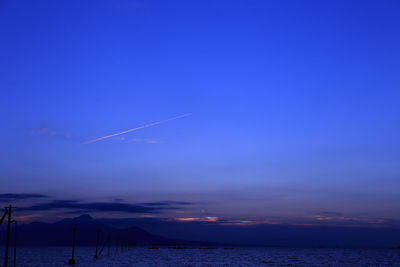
(60, 234)
(152, 231)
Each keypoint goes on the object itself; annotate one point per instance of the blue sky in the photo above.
(295, 104)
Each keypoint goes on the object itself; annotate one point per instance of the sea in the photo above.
(204, 256)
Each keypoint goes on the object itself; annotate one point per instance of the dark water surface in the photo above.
(143, 256)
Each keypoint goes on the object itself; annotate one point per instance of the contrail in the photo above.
(138, 128)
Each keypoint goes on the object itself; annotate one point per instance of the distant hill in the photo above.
(279, 235)
(153, 231)
(60, 234)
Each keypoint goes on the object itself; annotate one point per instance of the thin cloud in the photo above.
(169, 203)
(78, 206)
(11, 196)
(137, 128)
(145, 140)
(50, 132)
(197, 219)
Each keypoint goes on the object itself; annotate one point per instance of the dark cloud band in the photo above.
(9, 196)
(79, 206)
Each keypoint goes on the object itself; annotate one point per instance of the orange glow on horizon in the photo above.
(198, 219)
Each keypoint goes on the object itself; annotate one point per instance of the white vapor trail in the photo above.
(138, 128)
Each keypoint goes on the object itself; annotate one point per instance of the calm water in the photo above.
(142, 256)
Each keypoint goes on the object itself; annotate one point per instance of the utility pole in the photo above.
(97, 243)
(72, 260)
(10, 207)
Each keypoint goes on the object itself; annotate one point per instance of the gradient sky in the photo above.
(295, 106)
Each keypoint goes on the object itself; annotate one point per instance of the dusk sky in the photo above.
(293, 109)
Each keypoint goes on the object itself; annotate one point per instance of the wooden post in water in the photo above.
(72, 260)
(8, 234)
(97, 244)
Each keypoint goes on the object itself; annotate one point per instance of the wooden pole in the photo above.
(96, 256)
(72, 260)
(7, 236)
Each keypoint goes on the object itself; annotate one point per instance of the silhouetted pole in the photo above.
(116, 246)
(97, 244)
(72, 260)
(15, 243)
(8, 234)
